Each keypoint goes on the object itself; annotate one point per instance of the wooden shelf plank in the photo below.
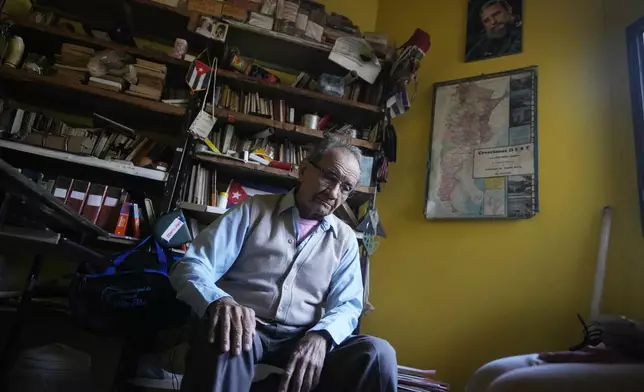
(147, 54)
(32, 77)
(223, 161)
(90, 161)
(234, 117)
(261, 169)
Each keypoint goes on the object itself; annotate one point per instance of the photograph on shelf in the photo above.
(205, 26)
(219, 32)
(494, 29)
(483, 148)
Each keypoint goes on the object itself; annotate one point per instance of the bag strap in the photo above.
(161, 256)
(121, 258)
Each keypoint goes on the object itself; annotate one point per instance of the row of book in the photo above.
(419, 380)
(228, 142)
(72, 65)
(254, 103)
(203, 188)
(108, 207)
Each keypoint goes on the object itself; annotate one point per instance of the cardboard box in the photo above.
(235, 12)
(206, 7)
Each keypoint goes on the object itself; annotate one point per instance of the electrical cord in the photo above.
(592, 335)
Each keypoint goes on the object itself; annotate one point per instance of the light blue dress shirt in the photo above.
(195, 276)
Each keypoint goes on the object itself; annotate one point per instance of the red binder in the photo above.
(94, 202)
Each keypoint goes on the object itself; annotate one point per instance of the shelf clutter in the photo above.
(108, 144)
(106, 70)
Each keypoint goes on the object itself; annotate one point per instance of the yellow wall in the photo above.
(453, 295)
(625, 291)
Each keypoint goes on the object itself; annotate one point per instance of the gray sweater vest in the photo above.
(270, 277)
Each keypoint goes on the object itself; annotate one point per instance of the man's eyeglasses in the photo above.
(328, 179)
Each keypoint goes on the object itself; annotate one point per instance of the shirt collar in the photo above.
(288, 202)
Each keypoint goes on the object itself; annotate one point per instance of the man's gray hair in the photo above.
(318, 151)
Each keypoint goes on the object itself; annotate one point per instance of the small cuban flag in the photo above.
(198, 75)
(240, 191)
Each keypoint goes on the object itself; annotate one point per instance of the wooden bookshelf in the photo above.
(7, 73)
(84, 160)
(282, 127)
(281, 88)
(362, 193)
(161, 57)
(238, 164)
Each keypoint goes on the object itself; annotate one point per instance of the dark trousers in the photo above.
(360, 364)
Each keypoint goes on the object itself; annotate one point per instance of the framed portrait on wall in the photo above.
(494, 29)
(483, 148)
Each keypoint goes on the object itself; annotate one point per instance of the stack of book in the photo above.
(419, 380)
(108, 82)
(151, 80)
(71, 63)
(255, 104)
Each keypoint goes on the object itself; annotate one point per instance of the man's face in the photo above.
(325, 187)
(495, 18)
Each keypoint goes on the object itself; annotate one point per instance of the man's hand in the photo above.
(236, 324)
(303, 370)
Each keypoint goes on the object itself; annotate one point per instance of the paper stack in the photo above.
(151, 80)
(71, 63)
(417, 380)
(107, 82)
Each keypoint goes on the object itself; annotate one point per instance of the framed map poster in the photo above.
(483, 149)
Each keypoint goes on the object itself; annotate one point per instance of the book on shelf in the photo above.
(254, 104)
(419, 380)
(107, 83)
(95, 198)
(68, 49)
(108, 213)
(77, 195)
(71, 63)
(150, 80)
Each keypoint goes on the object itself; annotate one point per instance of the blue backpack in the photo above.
(133, 294)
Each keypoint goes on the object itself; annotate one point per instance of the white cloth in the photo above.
(527, 373)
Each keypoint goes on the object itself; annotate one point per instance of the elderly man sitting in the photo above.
(277, 280)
